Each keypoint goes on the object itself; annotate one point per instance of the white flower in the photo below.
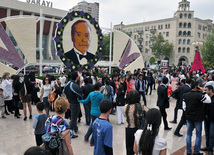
(95, 59)
(59, 45)
(73, 67)
(63, 59)
(86, 67)
(65, 20)
(59, 32)
(76, 14)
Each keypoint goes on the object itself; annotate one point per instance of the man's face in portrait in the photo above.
(81, 37)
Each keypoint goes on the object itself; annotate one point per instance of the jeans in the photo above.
(120, 117)
(144, 97)
(149, 85)
(209, 128)
(87, 108)
(190, 127)
(75, 110)
(89, 132)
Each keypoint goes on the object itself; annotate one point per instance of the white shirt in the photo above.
(160, 143)
(62, 79)
(83, 61)
(7, 89)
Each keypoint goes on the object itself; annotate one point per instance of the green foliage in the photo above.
(106, 47)
(207, 51)
(152, 60)
(161, 48)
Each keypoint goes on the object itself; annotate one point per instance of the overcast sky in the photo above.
(134, 11)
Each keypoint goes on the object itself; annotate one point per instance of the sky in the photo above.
(135, 11)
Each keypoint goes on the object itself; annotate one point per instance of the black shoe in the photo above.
(30, 117)
(174, 122)
(204, 149)
(178, 134)
(3, 117)
(74, 136)
(7, 113)
(17, 116)
(25, 118)
(167, 128)
(11, 112)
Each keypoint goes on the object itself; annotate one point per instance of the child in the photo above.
(2, 103)
(39, 123)
(102, 130)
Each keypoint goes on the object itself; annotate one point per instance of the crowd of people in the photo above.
(119, 94)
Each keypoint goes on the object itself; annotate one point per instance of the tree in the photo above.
(207, 51)
(106, 46)
(161, 48)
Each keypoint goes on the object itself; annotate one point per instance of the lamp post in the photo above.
(197, 44)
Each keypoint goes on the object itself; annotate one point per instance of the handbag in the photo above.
(51, 97)
(20, 105)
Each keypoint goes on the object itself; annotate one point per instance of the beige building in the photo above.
(91, 8)
(181, 31)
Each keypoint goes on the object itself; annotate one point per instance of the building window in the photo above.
(146, 43)
(204, 28)
(188, 41)
(199, 35)
(167, 34)
(134, 36)
(184, 50)
(189, 25)
(185, 25)
(184, 41)
(180, 33)
(161, 26)
(185, 16)
(189, 16)
(199, 27)
(203, 36)
(180, 25)
(184, 33)
(189, 33)
(168, 26)
(181, 16)
(147, 36)
(159, 33)
(179, 50)
(158, 27)
(167, 41)
(179, 41)
(147, 50)
(188, 50)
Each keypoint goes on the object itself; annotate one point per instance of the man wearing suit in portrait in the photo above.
(80, 35)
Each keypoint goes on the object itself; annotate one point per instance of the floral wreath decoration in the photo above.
(59, 40)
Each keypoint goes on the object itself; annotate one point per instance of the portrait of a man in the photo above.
(80, 36)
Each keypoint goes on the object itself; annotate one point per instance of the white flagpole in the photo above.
(110, 50)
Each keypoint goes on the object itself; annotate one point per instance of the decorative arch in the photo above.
(179, 41)
(184, 41)
(189, 25)
(183, 60)
(185, 16)
(180, 25)
(189, 33)
(184, 49)
(185, 25)
(188, 42)
(181, 16)
(184, 33)
(189, 16)
(188, 50)
(179, 49)
(180, 33)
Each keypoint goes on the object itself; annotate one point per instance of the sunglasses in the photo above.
(46, 80)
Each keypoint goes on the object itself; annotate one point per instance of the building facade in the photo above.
(10, 8)
(91, 8)
(181, 31)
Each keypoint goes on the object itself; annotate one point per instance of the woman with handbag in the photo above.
(47, 89)
(131, 113)
(17, 87)
(27, 88)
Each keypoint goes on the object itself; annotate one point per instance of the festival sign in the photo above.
(78, 40)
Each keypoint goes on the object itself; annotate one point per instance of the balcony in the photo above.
(140, 32)
(140, 40)
(153, 31)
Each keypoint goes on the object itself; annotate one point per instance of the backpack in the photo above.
(105, 91)
(142, 114)
(54, 142)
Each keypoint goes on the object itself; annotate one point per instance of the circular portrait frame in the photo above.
(71, 16)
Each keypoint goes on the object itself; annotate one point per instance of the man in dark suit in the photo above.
(80, 35)
(163, 101)
(140, 87)
(182, 90)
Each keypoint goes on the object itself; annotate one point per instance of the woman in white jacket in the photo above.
(7, 87)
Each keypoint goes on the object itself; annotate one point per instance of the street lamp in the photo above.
(197, 44)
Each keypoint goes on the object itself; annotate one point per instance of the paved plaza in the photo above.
(17, 135)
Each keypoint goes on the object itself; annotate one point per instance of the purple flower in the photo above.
(93, 20)
(59, 53)
(57, 39)
(59, 25)
(69, 15)
(101, 43)
(82, 13)
(68, 64)
(99, 54)
(100, 31)
(91, 64)
(80, 69)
